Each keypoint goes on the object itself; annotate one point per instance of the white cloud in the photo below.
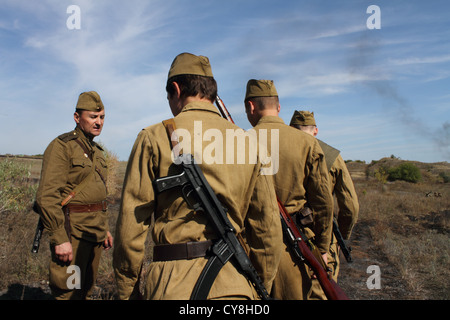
(317, 54)
(420, 60)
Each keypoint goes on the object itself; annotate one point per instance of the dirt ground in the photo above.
(353, 276)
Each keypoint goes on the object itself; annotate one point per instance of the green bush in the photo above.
(381, 174)
(16, 191)
(445, 177)
(405, 171)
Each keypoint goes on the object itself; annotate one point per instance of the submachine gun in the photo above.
(200, 197)
(346, 250)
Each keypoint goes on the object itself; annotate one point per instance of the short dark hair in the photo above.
(263, 102)
(192, 85)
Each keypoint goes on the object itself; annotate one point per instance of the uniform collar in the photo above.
(81, 135)
(201, 105)
(270, 119)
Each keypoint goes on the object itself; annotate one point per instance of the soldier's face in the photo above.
(90, 122)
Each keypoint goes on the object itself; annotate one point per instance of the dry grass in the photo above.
(399, 228)
(410, 229)
(24, 274)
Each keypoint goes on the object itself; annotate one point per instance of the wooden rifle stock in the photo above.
(223, 110)
(297, 241)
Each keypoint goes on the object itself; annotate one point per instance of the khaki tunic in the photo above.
(64, 167)
(347, 199)
(346, 211)
(248, 196)
(301, 178)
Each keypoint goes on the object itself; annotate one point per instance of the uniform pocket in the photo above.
(102, 163)
(80, 162)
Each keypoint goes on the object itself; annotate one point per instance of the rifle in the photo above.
(223, 110)
(40, 227)
(37, 236)
(341, 242)
(39, 230)
(303, 248)
(199, 195)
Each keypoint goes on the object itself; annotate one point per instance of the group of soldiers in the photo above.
(71, 199)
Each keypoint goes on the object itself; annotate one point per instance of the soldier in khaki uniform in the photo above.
(342, 187)
(248, 197)
(71, 200)
(301, 180)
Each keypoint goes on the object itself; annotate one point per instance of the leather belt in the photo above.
(181, 251)
(78, 208)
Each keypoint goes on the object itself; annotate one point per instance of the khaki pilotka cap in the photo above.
(260, 88)
(90, 101)
(303, 118)
(188, 63)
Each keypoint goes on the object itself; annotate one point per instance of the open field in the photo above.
(403, 229)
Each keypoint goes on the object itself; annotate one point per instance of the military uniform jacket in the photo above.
(302, 176)
(64, 166)
(248, 197)
(342, 187)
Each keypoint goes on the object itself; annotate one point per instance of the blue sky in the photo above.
(374, 92)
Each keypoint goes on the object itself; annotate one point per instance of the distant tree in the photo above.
(406, 172)
(445, 177)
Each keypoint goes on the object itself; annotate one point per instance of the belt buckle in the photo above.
(190, 252)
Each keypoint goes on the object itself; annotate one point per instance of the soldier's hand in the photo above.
(325, 259)
(63, 252)
(108, 241)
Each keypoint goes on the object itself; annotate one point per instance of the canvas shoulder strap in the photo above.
(77, 189)
(169, 124)
(83, 183)
(330, 153)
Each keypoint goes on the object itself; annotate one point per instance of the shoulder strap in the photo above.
(87, 153)
(330, 153)
(83, 183)
(77, 189)
(169, 124)
(71, 135)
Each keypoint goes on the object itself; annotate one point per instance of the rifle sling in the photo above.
(65, 202)
(215, 262)
(83, 183)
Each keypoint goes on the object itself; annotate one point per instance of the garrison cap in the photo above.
(188, 63)
(260, 88)
(303, 118)
(90, 101)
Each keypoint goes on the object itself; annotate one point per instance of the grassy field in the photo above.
(403, 229)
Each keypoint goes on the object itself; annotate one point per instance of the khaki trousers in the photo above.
(316, 292)
(75, 281)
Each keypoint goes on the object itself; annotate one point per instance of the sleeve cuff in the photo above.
(58, 236)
